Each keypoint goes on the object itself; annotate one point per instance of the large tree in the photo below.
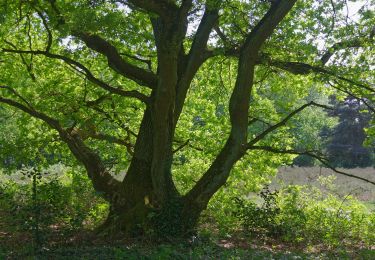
(120, 74)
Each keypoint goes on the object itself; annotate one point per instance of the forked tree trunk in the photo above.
(147, 199)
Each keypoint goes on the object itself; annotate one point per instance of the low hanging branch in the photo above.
(101, 179)
(311, 154)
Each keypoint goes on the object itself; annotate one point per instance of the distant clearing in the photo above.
(343, 185)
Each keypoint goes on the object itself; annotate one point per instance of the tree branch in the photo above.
(54, 123)
(49, 33)
(181, 146)
(300, 68)
(235, 147)
(283, 122)
(364, 100)
(160, 7)
(28, 66)
(352, 43)
(297, 68)
(102, 180)
(143, 60)
(116, 62)
(112, 139)
(265, 27)
(319, 158)
(195, 58)
(116, 120)
(13, 91)
(85, 71)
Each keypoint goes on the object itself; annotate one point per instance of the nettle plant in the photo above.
(177, 91)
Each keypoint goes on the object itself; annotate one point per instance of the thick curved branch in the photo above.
(283, 122)
(266, 26)
(116, 62)
(311, 154)
(49, 32)
(85, 71)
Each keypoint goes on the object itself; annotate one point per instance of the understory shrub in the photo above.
(309, 215)
(259, 220)
(41, 202)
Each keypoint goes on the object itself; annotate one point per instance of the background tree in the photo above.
(134, 84)
(346, 141)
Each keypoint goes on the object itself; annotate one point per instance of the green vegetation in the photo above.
(300, 214)
(310, 219)
(161, 121)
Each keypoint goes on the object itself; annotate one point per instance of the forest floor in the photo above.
(83, 244)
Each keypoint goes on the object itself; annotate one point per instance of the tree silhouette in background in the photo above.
(345, 141)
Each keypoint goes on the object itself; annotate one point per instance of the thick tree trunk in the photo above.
(137, 209)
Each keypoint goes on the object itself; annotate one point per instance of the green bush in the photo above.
(259, 220)
(303, 214)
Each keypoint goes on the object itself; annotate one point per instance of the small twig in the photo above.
(181, 146)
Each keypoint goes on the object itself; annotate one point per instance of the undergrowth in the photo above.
(308, 216)
(298, 218)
